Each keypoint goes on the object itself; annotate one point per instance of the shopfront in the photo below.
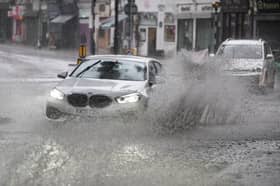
(267, 22)
(194, 26)
(235, 19)
(147, 33)
(16, 14)
(5, 22)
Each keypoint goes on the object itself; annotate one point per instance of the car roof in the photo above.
(122, 57)
(243, 42)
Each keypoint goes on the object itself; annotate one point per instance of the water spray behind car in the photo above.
(197, 92)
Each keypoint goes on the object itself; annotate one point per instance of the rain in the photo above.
(202, 126)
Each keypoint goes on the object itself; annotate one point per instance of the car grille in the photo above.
(99, 101)
(78, 100)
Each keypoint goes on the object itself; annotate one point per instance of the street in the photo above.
(114, 151)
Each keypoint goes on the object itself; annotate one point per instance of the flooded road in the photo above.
(114, 151)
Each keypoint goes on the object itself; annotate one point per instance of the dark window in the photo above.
(102, 8)
(169, 33)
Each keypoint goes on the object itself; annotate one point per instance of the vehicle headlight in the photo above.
(257, 69)
(130, 98)
(57, 94)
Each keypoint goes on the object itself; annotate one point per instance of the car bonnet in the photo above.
(100, 86)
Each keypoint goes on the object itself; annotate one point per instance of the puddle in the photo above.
(5, 120)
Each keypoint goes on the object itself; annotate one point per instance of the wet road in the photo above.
(109, 151)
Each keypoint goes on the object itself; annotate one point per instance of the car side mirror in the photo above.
(62, 75)
(269, 56)
(151, 82)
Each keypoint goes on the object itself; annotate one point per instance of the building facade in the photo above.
(5, 20)
(166, 27)
(235, 20)
(63, 23)
(194, 20)
(266, 23)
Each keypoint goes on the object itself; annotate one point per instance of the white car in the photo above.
(104, 85)
(249, 58)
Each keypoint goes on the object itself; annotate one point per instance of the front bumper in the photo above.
(64, 109)
(243, 74)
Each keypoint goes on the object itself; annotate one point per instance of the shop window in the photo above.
(102, 8)
(185, 34)
(169, 33)
(203, 34)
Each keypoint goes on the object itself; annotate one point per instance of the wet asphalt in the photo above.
(114, 151)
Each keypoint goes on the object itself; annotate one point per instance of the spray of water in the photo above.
(197, 91)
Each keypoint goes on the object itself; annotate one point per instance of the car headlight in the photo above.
(130, 98)
(257, 70)
(57, 94)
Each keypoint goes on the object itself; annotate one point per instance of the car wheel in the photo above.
(53, 113)
(271, 83)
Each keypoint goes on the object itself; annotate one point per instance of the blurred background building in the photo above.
(160, 27)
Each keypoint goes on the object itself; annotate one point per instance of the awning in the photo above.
(62, 19)
(110, 22)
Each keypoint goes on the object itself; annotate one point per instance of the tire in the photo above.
(53, 113)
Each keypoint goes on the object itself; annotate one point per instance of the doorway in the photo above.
(152, 34)
(185, 34)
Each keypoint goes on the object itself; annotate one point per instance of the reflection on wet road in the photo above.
(106, 151)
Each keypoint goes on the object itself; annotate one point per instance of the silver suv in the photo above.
(251, 58)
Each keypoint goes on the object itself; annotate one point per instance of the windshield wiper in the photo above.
(88, 68)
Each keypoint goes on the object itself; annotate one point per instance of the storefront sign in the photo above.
(233, 6)
(185, 8)
(205, 8)
(268, 6)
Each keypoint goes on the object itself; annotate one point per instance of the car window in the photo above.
(113, 70)
(81, 67)
(241, 51)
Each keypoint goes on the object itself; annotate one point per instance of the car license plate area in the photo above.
(86, 112)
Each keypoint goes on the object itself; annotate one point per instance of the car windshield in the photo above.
(113, 70)
(241, 51)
